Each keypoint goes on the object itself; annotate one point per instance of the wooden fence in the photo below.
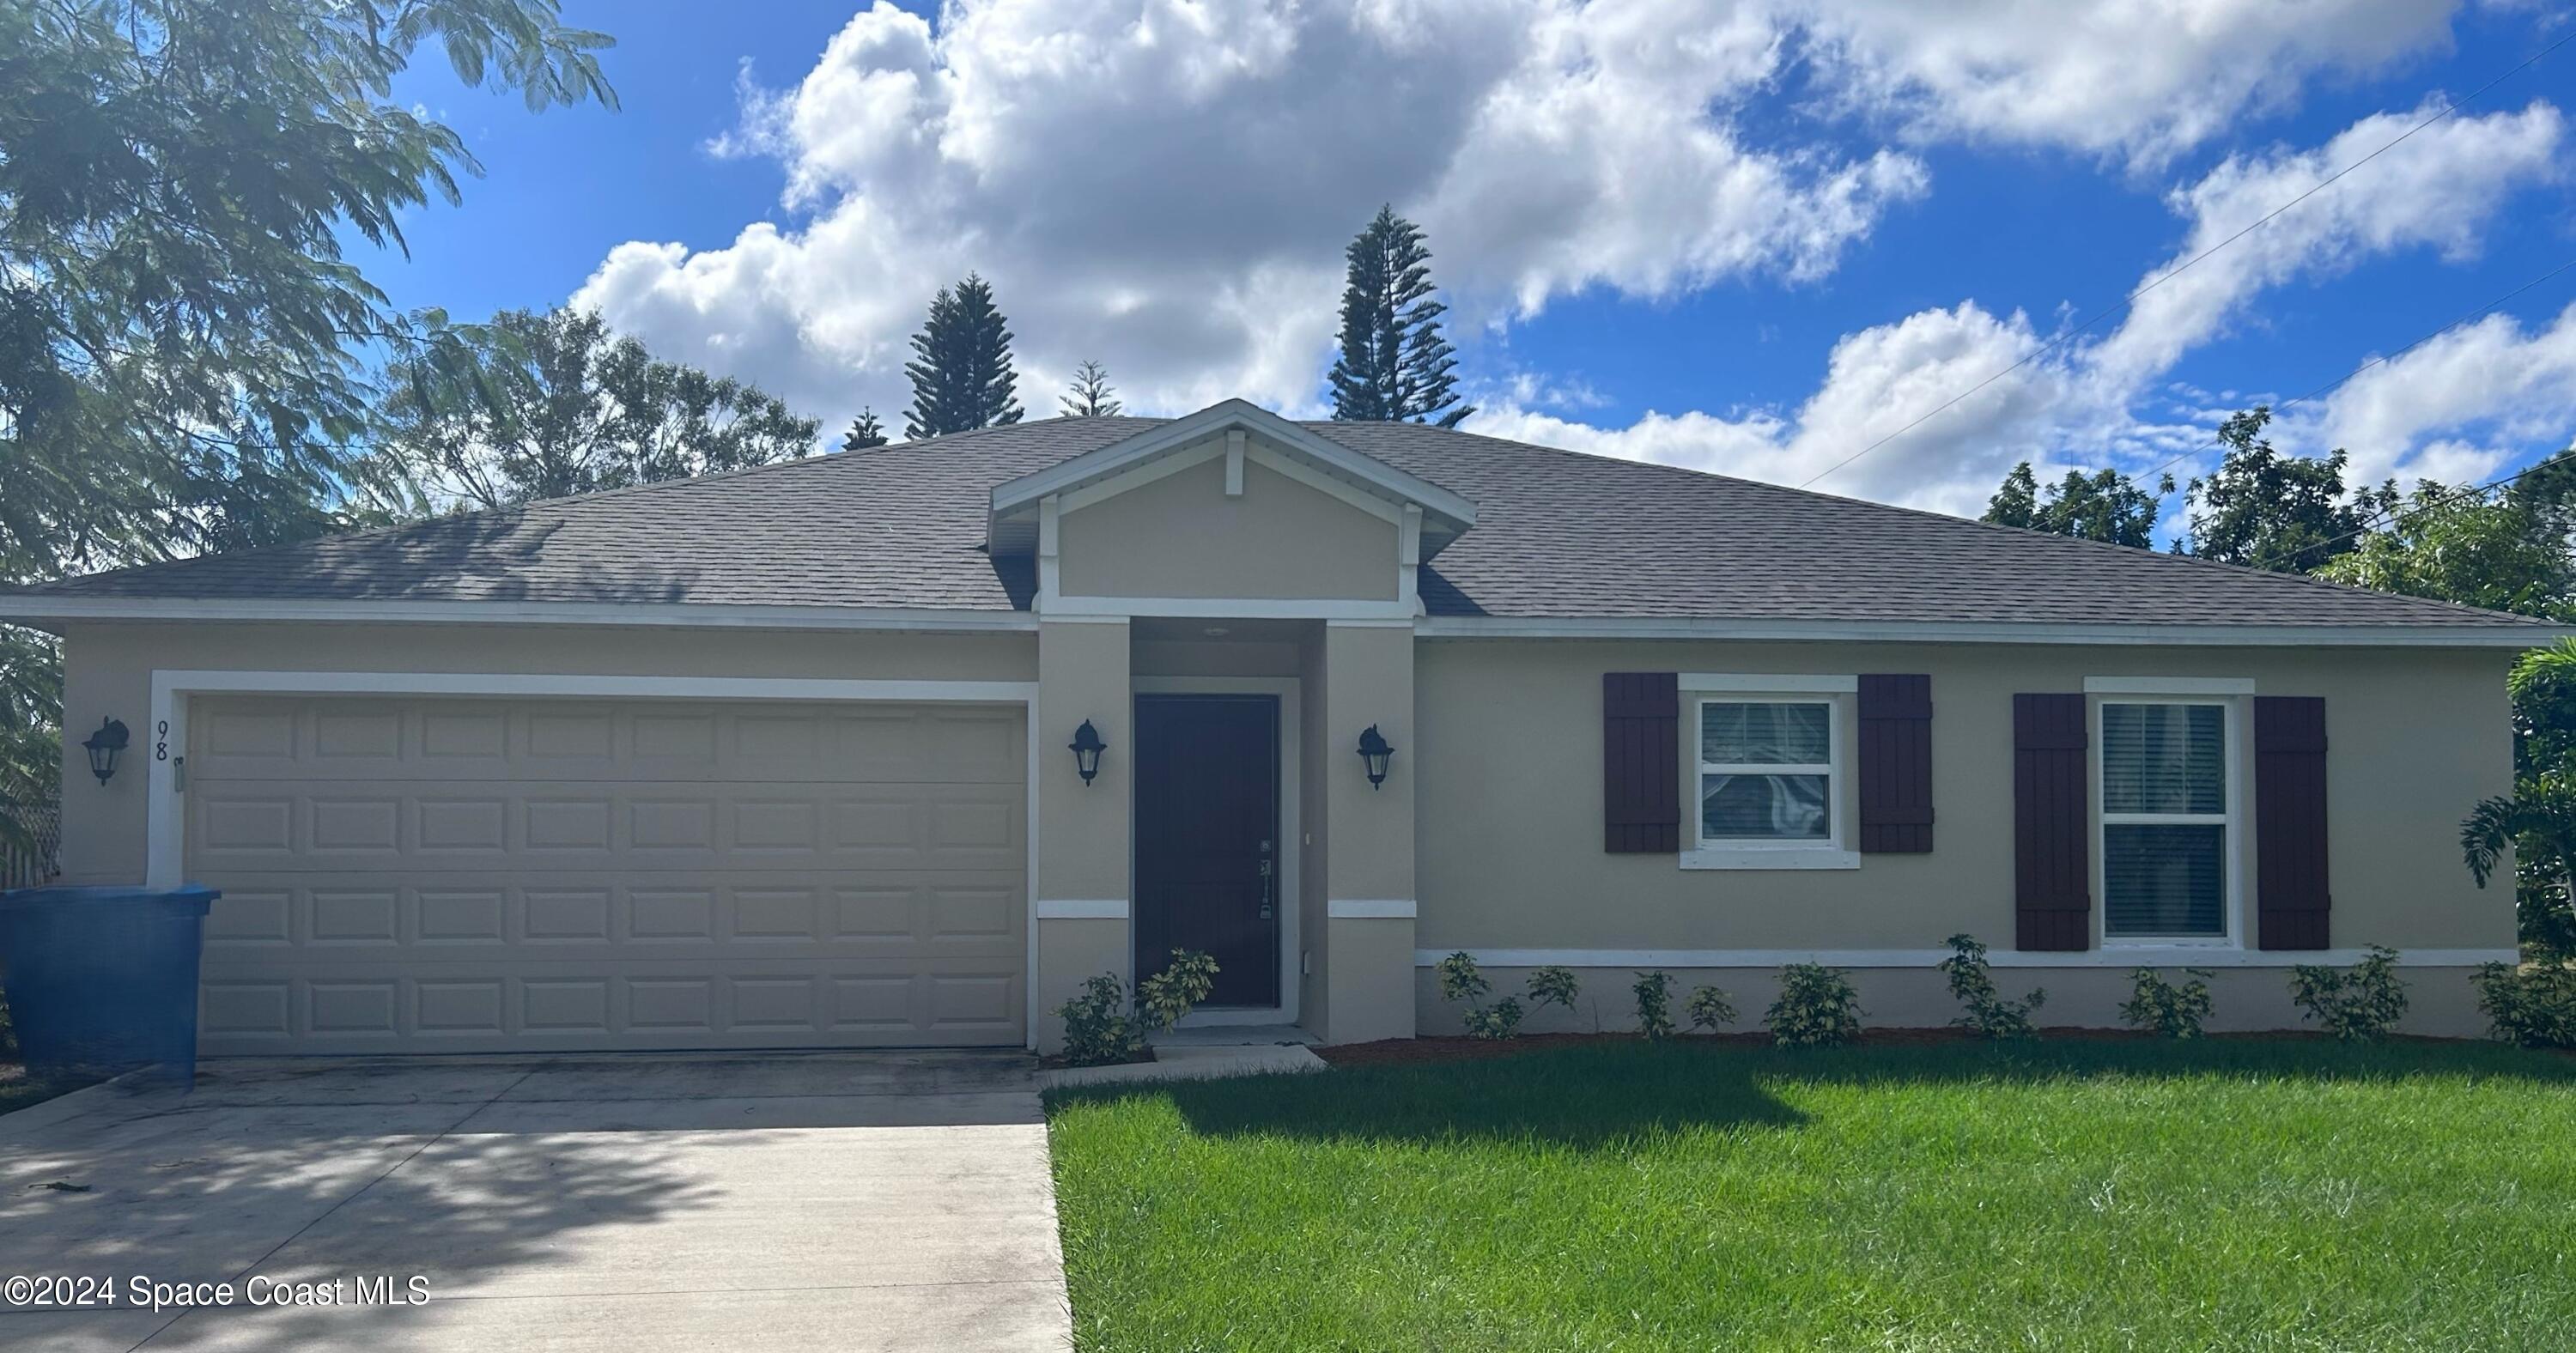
(21, 867)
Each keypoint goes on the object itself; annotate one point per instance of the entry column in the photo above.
(1082, 889)
(1368, 860)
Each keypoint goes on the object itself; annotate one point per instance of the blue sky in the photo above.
(1750, 237)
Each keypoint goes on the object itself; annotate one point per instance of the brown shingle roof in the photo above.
(1558, 534)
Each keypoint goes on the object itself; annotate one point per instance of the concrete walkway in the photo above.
(844, 1201)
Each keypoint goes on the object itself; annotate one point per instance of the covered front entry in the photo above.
(418, 874)
(1209, 855)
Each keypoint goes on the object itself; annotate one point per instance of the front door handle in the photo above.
(1267, 907)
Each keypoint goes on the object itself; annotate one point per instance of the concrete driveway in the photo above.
(843, 1201)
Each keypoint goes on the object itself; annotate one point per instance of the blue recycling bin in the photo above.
(104, 980)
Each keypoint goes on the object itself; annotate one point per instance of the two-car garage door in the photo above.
(454, 875)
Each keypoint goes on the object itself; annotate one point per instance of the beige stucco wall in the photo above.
(1083, 829)
(1072, 951)
(108, 672)
(1182, 536)
(1509, 796)
(1368, 678)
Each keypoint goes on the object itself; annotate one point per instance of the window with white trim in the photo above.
(2168, 819)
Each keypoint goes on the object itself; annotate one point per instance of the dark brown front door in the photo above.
(1207, 839)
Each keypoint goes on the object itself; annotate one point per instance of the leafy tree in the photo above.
(2499, 550)
(1394, 363)
(1090, 396)
(557, 405)
(962, 378)
(182, 340)
(2266, 510)
(2106, 506)
(2538, 823)
(2538, 819)
(865, 434)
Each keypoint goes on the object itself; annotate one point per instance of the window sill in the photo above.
(2203, 943)
(1770, 857)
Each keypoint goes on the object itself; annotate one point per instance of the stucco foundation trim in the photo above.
(2143, 956)
(1083, 909)
(1370, 908)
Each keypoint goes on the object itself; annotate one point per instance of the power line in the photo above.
(2382, 360)
(2131, 299)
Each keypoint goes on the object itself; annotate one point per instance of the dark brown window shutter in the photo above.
(2290, 822)
(1895, 765)
(1641, 767)
(2052, 825)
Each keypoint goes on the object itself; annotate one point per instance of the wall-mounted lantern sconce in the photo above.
(1376, 752)
(1087, 748)
(103, 747)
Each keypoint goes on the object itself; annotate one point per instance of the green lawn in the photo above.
(2067, 1195)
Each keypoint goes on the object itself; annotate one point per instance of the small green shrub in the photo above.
(1502, 1019)
(1462, 980)
(1654, 1004)
(1973, 983)
(1101, 1029)
(1097, 1029)
(2358, 1005)
(1552, 986)
(1709, 1009)
(1167, 995)
(2534, 1007)
(1817, 1007)
(2158, 1006)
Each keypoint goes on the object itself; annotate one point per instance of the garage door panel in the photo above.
(282, 825)
(269, 918)
(360, 738)
(571, 1005)
(560, 875)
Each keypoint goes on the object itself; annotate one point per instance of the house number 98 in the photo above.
(161, 741)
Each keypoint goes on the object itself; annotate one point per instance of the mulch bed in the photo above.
(1417, 1051)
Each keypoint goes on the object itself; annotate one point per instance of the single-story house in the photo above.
(898, 747)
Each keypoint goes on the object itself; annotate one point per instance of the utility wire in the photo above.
(2382, 360)
(2131, 299)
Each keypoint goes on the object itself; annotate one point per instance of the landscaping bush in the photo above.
(1097, 1030)
(1974, 986)
(1502, 1019)
(1817, 1007)
(1100, 1028)
(2535, 1008)
(1167, 995)
(2158, 1006)
(1708, 1009)
(1462, 980)
(2358, 1005)
(1552, 986)
(1654, 1003)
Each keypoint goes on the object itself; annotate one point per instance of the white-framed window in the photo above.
(1767, 764)
(2171, 817)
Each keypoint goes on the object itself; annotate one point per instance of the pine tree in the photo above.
(1394, 364)
(1090, 396)
(962, 379)
(865, 434)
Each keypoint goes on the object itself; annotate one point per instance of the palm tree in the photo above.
(2537, 822)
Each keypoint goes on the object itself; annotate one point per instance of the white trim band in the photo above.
(1776, 684)
(1370, 909)
(2168, 685)
(1083, 909)
(2139, 956)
